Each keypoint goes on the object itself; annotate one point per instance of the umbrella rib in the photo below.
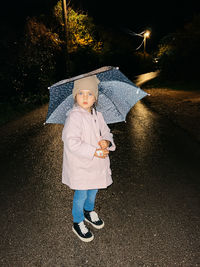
(114, 104)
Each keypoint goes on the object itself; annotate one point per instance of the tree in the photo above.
(178, 53)
(35, 62)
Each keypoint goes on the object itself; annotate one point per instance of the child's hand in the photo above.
(101, 153)
(104, 144)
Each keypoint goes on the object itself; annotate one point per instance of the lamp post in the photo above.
(145, 36)
(64, 7)
(65, 18)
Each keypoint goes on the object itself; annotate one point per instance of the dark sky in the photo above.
(146, 13)
(161, 17)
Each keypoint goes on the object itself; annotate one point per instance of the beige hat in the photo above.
(87, 83)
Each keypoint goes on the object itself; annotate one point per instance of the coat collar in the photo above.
(94, 117)
(79, 108)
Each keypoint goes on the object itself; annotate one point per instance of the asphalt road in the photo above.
(151, 211)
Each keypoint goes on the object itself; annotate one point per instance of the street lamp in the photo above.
(65, 18)
(145, 36)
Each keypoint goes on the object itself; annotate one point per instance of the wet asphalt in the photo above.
(151, 211)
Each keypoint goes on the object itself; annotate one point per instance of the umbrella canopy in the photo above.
(117, 95)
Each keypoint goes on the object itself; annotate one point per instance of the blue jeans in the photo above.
(83, 199)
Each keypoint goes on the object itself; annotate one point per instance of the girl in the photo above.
(86, 165)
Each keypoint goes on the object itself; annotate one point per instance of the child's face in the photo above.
(85, 99)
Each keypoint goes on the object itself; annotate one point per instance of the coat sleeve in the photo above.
(105, 132)
(71, 136)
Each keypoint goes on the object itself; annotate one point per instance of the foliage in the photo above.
(81, 29)
(178, 53)
(36, 59)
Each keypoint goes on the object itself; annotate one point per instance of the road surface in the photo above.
(151, 211)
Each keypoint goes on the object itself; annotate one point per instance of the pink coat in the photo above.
(81, 134)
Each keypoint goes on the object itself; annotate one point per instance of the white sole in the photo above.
(96, 226)
(81, 238)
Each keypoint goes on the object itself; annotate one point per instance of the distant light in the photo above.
(147, 34)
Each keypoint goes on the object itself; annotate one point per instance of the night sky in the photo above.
(162, 18)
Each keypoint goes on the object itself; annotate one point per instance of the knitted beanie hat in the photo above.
(87, 83)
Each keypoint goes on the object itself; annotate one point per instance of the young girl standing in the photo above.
(86, 165)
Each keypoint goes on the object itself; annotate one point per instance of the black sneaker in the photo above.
(82, 232)
(92, 218)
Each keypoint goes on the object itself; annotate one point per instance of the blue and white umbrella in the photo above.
(117, 95)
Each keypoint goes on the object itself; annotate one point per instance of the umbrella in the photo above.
(117, 95)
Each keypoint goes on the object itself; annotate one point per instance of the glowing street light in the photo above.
(144, 35)
(147, 34)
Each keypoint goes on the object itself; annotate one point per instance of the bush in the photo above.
(37, 57)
